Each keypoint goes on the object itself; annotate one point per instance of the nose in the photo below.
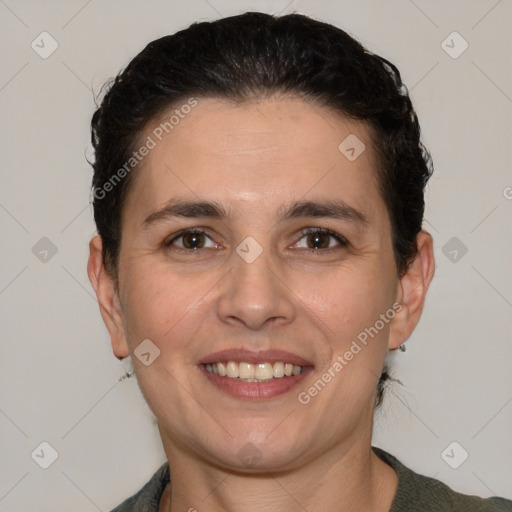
(255, 294)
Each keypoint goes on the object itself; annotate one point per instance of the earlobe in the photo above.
(412, 291)
(108, 299)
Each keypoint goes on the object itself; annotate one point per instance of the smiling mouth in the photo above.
(259, 372)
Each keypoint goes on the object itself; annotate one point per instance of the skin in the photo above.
(253, 158)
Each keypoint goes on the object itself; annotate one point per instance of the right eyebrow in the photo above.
(187, 209)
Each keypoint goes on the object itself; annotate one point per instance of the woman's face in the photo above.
(260, 283)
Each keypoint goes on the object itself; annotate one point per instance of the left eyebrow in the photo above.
(334, 209)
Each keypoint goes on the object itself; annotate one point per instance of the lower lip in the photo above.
(256, 390)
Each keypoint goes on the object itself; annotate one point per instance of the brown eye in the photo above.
(191, 240)
(320, 239)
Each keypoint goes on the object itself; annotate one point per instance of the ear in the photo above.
(412, 291)
(108, 298)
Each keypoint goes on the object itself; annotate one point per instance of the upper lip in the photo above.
(249, 356)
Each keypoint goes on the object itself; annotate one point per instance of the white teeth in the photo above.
(222, 369)
(232, 370)
(278, 370)
(246, 371)
(263, 371)
(254, 372)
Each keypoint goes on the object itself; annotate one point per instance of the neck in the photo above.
(343, 479)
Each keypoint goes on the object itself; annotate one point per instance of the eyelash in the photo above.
(308, 231)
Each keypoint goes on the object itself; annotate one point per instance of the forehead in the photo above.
(257, 154)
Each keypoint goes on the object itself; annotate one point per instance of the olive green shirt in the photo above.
(415, 493)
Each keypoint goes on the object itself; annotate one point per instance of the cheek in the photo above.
(161, 306)
(348, 300)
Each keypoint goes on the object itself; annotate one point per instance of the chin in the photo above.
(257, 451)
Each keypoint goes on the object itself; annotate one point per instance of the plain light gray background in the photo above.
(59, 379)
